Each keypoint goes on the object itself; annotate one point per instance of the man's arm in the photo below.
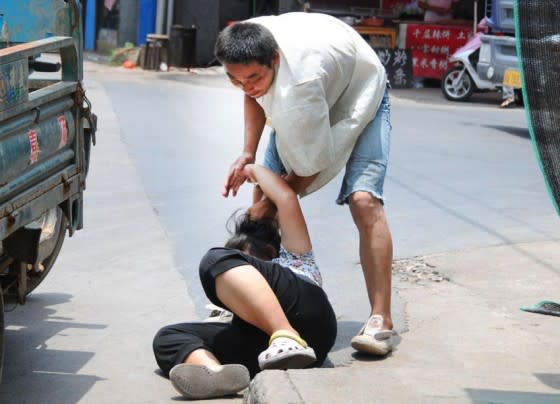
(255, 120)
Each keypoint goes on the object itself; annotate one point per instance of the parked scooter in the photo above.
(461, 80)
(484, 63)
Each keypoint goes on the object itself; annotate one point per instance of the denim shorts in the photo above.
(367, 165)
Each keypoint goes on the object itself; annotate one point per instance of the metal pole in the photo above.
(170, 6)
(90, 28)
(160, 16)
(475, 14)
(128, 21)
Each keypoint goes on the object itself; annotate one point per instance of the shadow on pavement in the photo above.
(346, 330)
(50, 374)
(511, 397)
(550, 379)
(512, 130)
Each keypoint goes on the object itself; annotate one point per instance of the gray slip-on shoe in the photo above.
(199, 381)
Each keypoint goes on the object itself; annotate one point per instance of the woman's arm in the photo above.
(295, 236)
(263, 206)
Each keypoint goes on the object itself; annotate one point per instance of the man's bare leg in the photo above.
(376, 252)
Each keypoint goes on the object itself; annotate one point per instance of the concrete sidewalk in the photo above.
(85, 335)
(467, 339)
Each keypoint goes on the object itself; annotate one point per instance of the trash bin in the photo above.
(154, 52)
(182, 46)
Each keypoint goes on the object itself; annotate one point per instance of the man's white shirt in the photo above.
(327, 88)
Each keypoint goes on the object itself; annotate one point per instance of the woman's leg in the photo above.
(314, 318)
(246, 292)
(198, 373)
(268, 297)
(173, 344)
(209, 344)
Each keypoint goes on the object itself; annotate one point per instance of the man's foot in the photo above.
(372, 338)
(199, 381)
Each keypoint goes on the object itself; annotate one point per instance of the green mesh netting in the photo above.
(537, 27)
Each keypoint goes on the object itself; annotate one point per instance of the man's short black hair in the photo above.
(245, 42)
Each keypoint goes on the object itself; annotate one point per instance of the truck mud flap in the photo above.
(22, 244)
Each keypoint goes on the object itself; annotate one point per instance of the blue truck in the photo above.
(46, 131)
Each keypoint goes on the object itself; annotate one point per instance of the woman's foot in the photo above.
(199, 381)
(287, 350)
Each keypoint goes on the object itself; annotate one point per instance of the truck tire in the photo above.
(34, 278)
(457, 84)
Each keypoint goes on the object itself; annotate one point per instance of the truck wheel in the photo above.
(49, 247)
(457, 84)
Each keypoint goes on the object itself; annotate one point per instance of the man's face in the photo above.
(253, 78)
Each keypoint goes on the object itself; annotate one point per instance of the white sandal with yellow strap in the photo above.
(286, 350)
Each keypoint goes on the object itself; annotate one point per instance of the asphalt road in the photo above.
(461, 176)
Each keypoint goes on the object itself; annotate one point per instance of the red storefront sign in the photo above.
(431, 46)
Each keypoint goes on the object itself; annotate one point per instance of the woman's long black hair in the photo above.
(259, 238)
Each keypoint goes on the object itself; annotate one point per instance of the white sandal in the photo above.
(372, 339)
(286, 350)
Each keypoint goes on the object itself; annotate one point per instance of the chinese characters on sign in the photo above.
(33, 146)
(398, 64)
(63, 131)
(431, 46)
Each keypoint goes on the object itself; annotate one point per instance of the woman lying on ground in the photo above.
(282, 317)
